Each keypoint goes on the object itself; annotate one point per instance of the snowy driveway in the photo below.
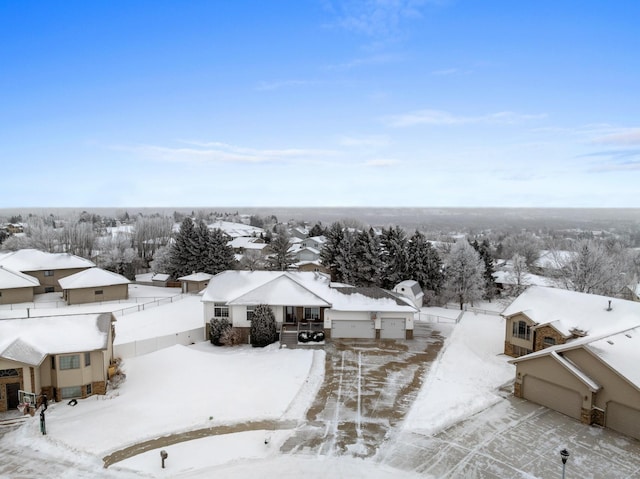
(369, 387)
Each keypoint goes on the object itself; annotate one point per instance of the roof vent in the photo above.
(610, 342)
(609, 308)
(628, 335)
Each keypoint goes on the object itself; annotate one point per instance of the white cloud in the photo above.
(365, 141)
(377, 17)
(381, 162)
(629, 136)
(438, 117)
(216, 152)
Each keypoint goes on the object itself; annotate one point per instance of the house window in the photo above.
(311, 313)
(99, 292)
(220, 310)
(549, 341)
(53, 362)
(48, 272)
(70, 362)
(88, 389)
(71, 392)
(250, 312)
(521, 330)
(87, 359)
(49, 289)
(520, 351)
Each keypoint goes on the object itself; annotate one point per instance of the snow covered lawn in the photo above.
(466, 377)
(183, 388)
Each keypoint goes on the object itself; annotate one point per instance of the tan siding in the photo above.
(88, 295)
(16, 295)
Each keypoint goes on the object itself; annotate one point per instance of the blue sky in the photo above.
(320, 103)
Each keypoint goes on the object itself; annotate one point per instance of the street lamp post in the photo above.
(564, 455)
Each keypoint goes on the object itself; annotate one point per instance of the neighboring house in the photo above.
(631, 292)
(311, 266)
(550, 262)
(595, 379)
(316, 242)
(243, 244)
(94, 284)
(61, 356)
(299, 232)
(506, 280)
(235, 230)
(541, 317)
(410, 289)
(160, 279)
(194, 283)
(306, 253)
(16, 287)
(47, 268)
(308, 300)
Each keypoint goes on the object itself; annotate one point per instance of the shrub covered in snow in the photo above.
(263, 326)
(218, 327)
(231, 337)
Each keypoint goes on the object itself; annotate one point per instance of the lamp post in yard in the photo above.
(564, 455)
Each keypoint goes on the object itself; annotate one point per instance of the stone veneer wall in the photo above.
(546, 331)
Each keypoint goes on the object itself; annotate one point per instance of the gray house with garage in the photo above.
(308, 301)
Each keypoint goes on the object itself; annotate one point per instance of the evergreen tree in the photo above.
(263, 326)
(464, 274)
(394, 257)
(281, 258)
(424, 264)
(317, 230)
(219, 256)
(184, 252)
(330, 252)
(367, 259)
(484, 250)
(346, 259)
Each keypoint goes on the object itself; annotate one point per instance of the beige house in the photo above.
(61, 356)
(16, 287)
(94, 284)
(47, 268)
(194, 283)
(542, 317)
(594, 379)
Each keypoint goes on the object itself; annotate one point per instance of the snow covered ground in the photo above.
(185, 388)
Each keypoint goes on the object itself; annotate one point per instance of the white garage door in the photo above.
(623, 419)
(353, 329)
(558, 398)
(392, 328)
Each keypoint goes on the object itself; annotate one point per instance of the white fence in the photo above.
(146, 346)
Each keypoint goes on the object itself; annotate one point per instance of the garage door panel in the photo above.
(393, 328)
(561, 399)
(352, 329)
(623, 419)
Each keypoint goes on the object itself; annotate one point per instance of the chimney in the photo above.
(609, 308)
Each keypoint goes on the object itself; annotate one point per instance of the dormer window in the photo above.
(549, 341)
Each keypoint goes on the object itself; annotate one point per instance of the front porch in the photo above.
(302, 334)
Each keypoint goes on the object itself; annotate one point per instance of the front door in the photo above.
(289, 314)
(12, 395)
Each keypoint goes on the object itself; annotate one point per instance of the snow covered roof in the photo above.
(160, 277)
(508, 278)
(553, 259)
(570, 310)
(298, 288)
(236, 229)
(14, 279)
(91, 278)
(247, 243)
(198, 277)
(30, 340)
(621, 351)
(35, 260)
